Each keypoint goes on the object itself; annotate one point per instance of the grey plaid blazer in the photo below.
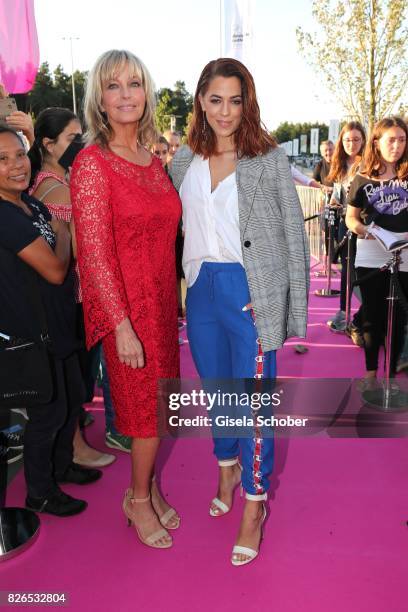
(274, 244)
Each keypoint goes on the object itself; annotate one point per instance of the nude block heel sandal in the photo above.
(152, 539)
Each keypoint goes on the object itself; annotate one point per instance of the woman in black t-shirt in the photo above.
(380, 196)
(32, 242)
(344, 165)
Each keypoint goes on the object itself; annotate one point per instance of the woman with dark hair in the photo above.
(344, 165)
(246, 264)
(35, 251)
(55, 129)
(379, 195)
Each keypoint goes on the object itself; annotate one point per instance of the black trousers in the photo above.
(50, 430)
(89, 361)
(343, 259)
(357, 319)
(374, 292)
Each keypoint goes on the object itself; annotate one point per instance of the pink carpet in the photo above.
(335, 540)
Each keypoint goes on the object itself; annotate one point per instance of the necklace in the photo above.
(227, 151)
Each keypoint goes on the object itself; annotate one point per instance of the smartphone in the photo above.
(7, 106)
(67, 158)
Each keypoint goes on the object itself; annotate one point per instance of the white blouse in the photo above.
(210, 219)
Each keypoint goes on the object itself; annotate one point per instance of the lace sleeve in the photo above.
(104, 297)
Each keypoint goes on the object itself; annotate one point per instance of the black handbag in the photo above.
(26, 376)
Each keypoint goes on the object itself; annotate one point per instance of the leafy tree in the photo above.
(175, 102)
(63, 86)
(80, 81)
(55, 89)
(288, 131)
(43, 93)
(164, 109)
(361, 52)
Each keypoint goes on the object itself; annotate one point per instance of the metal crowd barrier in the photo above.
(311, 200)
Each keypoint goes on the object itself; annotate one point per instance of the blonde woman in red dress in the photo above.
(126, 214)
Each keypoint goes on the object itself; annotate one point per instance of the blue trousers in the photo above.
(224, 345)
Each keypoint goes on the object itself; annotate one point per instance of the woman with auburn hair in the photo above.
(379, 196)
(246, 264)
(126, 215)
(346, 159)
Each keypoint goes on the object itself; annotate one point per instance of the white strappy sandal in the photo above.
(223, 508)
(250, 553)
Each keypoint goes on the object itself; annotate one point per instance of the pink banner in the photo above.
(19, 53)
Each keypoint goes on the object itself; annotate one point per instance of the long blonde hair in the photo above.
(107, 67)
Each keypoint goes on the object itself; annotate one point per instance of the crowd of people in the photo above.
(102, 237)
(343, 169)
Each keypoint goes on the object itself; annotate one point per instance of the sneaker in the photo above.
(21, 411)
(77, 474)
(338, 327)
(339, 317)
(9, 455)
(116, 440)
(338, 323)
(12, 439)
(58, 503)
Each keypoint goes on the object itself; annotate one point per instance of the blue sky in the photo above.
(176, 38)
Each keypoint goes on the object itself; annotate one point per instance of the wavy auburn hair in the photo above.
(338, 166)
(107, 67)
(373, 162)
(251, 137)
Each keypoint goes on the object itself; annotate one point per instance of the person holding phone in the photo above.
(246, 263)
(34, 243)
(57, 141)
(19, 121)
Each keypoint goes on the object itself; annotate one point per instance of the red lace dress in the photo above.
(126, 219)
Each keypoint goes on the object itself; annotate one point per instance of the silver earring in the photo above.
(204, 128)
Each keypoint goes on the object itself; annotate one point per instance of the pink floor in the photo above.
(336, 538)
